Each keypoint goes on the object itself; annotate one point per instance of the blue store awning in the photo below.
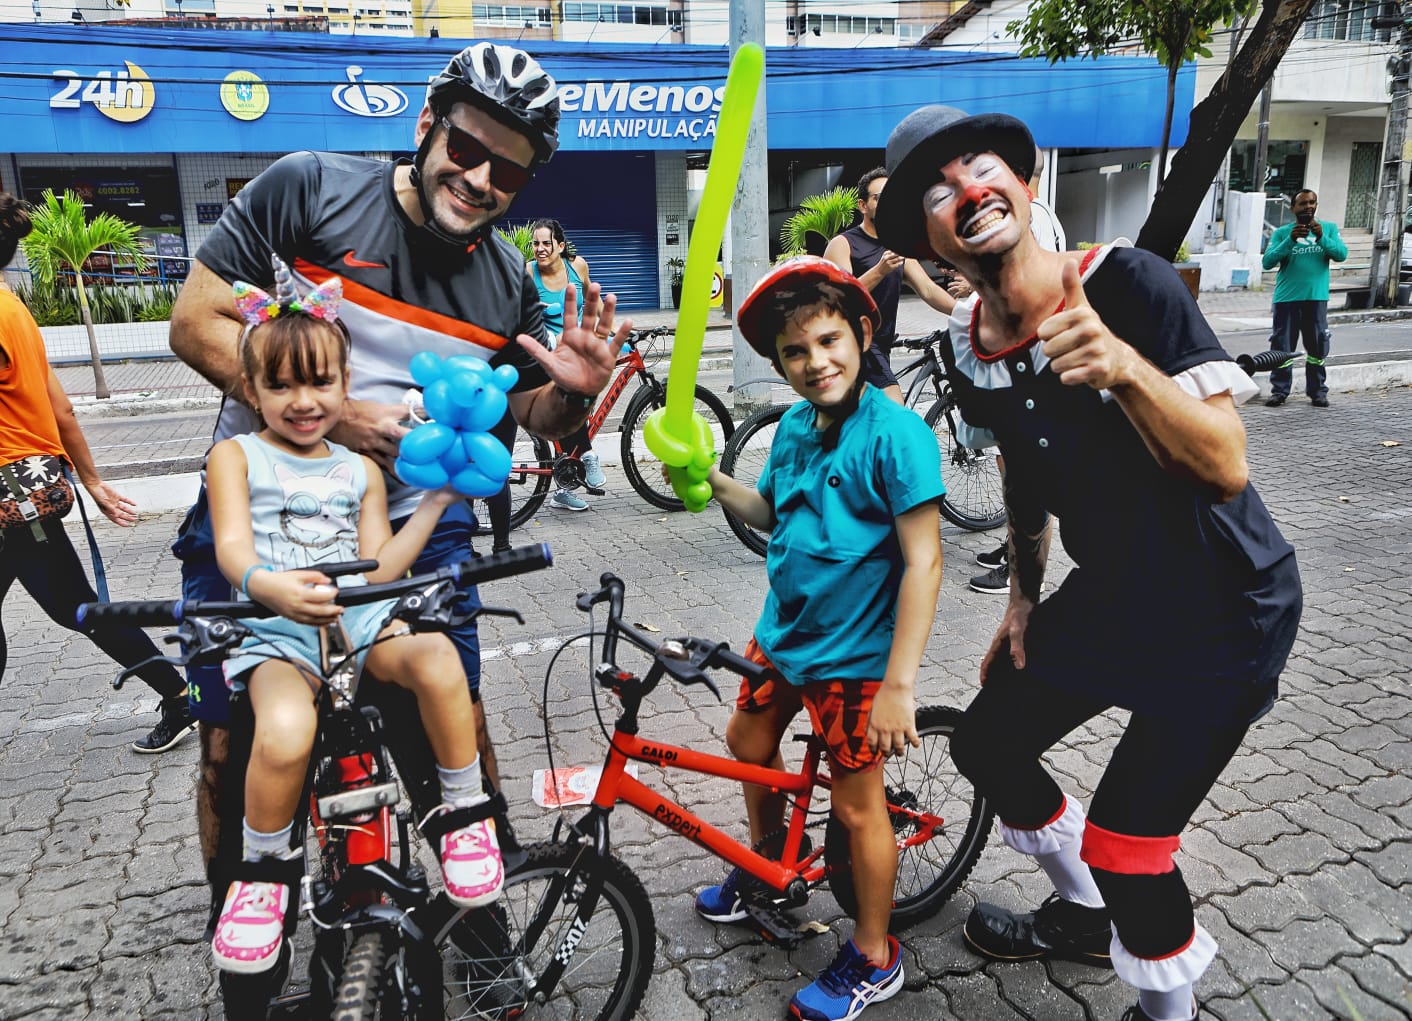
(90, 88)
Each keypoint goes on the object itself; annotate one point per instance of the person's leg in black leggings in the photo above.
(498, 506)
(53, 575)
(997, 745)
(1161, 770)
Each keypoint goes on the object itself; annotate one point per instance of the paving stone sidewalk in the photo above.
(1301, 861)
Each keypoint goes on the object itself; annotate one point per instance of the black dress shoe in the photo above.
(1059, 928)
(1320, 401)
(1275, 400)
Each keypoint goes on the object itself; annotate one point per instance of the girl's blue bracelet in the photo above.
(244, 582)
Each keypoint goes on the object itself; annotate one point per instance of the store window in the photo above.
(148, 197)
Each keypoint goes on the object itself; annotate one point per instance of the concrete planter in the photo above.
(116, 341)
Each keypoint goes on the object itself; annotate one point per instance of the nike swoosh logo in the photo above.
(351, 260)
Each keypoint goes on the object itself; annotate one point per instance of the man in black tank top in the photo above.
(881, 271)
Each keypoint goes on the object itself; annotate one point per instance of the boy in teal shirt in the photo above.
(850, 497)
(1302, 250)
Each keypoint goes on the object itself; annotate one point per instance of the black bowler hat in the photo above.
(926, 140)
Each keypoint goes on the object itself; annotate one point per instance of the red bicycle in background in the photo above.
(540, 466)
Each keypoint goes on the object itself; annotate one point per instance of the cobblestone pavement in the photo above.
(1300, 862)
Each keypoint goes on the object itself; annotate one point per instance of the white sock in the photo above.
(1070, 875)
(265, 845)
(461, 788)
(1176, 1005)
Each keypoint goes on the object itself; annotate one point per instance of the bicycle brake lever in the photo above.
(132, 671)
(497, 611)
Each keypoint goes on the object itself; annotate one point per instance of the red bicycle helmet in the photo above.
(793, 273)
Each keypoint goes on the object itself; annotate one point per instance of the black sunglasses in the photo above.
(467, 151)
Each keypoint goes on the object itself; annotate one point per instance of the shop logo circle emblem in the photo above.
(368, 99)
(133, 97)
(245, 96)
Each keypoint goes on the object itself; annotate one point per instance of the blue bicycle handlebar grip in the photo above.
(1263, 362)
(138, 612)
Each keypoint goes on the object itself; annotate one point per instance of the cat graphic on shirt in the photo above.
(319, 522)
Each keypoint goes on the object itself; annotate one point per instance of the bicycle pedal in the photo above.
(777, 926)
(594, 491)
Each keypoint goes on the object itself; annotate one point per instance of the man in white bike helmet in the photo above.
(423, 270)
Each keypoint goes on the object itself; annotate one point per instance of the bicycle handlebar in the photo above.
(920, 343)
(1265, 361)
(684, 659)
(470, 571)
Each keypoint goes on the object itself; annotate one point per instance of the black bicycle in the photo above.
(975, 497)
(379, 934)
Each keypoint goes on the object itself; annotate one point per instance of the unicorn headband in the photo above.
(256, 306)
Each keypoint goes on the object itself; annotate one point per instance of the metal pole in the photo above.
(750, 218)
(1262, 143)
(1392, 191)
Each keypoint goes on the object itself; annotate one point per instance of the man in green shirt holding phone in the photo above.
(1302, 250)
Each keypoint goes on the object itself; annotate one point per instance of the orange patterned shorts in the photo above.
(838, 710)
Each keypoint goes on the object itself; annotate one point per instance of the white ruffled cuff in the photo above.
(1167, 973)
(1066, 829)
(1211, 378)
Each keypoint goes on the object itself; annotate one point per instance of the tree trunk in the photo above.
(1214, 123)
(100, 385)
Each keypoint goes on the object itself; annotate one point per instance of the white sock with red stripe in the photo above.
(1070, 876)
(1056, 846)
(1177, 1004)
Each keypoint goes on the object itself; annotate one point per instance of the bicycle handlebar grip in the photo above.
(1263, 362)
(738, 664)
(521, 560)
(138, 612)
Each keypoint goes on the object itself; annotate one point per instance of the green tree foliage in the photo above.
(63, 240)
(825, 215)
(1174, 31)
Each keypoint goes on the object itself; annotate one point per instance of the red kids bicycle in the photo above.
(574, 934)
(539, 465)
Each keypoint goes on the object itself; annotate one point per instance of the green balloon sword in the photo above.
(676, 434)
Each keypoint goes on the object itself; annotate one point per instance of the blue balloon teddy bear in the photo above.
(463, 398)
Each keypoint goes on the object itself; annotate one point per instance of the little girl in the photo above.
(283, 501)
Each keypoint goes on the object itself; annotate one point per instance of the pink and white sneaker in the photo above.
(470, 865)
(251, 927)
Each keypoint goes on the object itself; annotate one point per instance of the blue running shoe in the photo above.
(848, 985)
(722, 904)
(593, 475)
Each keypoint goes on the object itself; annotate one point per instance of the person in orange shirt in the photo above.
(37, 419)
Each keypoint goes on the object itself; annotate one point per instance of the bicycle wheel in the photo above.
(924, 780)
(365, 982)
(531, 472)
(975, 497)
(643, 469)
(493, 956)
(744, 459)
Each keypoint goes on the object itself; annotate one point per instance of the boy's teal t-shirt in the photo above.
(834, 560)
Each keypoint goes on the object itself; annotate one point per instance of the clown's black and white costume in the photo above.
(1180, 608)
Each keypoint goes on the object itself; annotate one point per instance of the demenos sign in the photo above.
(620, 109)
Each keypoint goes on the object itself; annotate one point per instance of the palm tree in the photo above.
(63, 240)
(519, 235)
(827, 215)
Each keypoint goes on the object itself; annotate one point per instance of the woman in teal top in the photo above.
(552, 274)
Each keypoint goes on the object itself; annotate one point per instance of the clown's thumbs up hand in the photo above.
(1081, 350)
